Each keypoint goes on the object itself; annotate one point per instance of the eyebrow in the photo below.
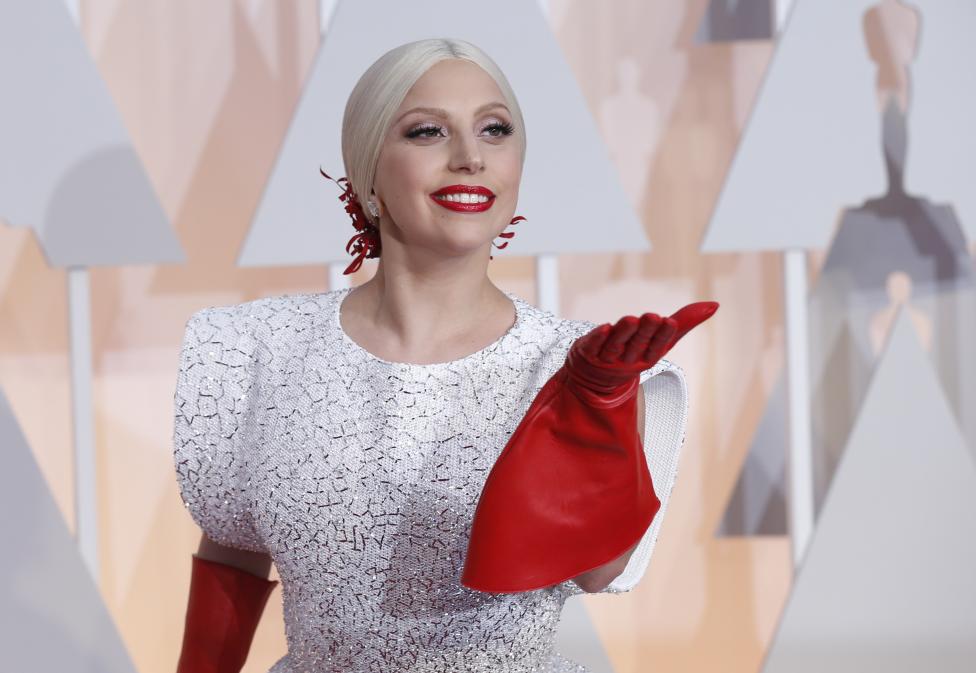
(441, 112)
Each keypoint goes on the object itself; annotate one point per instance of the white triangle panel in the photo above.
(887, 582)
(942, 114)
(812, 145)
(52, 617)
(67, 168)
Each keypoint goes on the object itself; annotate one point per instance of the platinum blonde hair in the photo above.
(380, 91)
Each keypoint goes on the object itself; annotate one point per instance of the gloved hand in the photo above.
(571, 490)
(222, 614)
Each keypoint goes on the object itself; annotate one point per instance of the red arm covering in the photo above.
(224, 609)
(571, 490)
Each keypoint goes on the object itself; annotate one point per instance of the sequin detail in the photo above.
(360, 477)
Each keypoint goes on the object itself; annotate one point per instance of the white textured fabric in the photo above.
(360, 478)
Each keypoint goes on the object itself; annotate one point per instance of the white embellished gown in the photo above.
(360, 478)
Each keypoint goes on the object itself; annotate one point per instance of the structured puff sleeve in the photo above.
(212, 408)
(665, 421)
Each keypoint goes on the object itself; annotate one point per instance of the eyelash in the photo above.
(419, 131)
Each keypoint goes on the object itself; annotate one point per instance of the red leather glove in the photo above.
(222, 615)
(571, 490)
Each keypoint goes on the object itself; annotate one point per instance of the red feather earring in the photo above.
(506, 234)
(365, 244)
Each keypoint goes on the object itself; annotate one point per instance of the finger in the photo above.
(592, 342)
(662, 340)
(649, 323)
(618, 338)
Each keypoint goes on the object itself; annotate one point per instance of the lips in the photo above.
(457, 206)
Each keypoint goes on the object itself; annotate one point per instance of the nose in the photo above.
(465, 155)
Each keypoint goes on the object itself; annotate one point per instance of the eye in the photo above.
(499, 129)
(424, 131)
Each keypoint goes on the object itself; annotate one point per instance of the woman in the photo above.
(347, 436)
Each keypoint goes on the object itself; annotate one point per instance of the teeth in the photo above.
(464, 198)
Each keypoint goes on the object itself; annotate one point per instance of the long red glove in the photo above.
(571, 490)
(223, 612)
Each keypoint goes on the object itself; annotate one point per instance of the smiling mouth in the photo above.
(464, 198)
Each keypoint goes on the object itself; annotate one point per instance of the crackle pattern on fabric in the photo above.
(360, 478)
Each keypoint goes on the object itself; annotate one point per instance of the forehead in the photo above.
(457, 85)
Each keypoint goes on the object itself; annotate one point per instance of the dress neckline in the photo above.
(477, 355)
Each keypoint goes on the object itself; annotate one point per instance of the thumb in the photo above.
(690, 316)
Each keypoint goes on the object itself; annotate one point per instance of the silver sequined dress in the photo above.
(360, 478)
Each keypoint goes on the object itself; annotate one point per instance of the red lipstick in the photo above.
(475, 206)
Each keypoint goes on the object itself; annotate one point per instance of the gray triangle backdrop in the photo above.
(67, 168)
(942, 118)
(578, 640)
(52, 617)
(811, 143)
(887, 581)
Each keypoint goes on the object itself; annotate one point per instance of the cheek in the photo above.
(399, 167)
(512, 182)
(407, 176)
(510, 169)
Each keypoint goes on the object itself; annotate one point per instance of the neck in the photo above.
(418, 311)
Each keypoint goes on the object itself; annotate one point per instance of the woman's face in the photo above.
(464, 137)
